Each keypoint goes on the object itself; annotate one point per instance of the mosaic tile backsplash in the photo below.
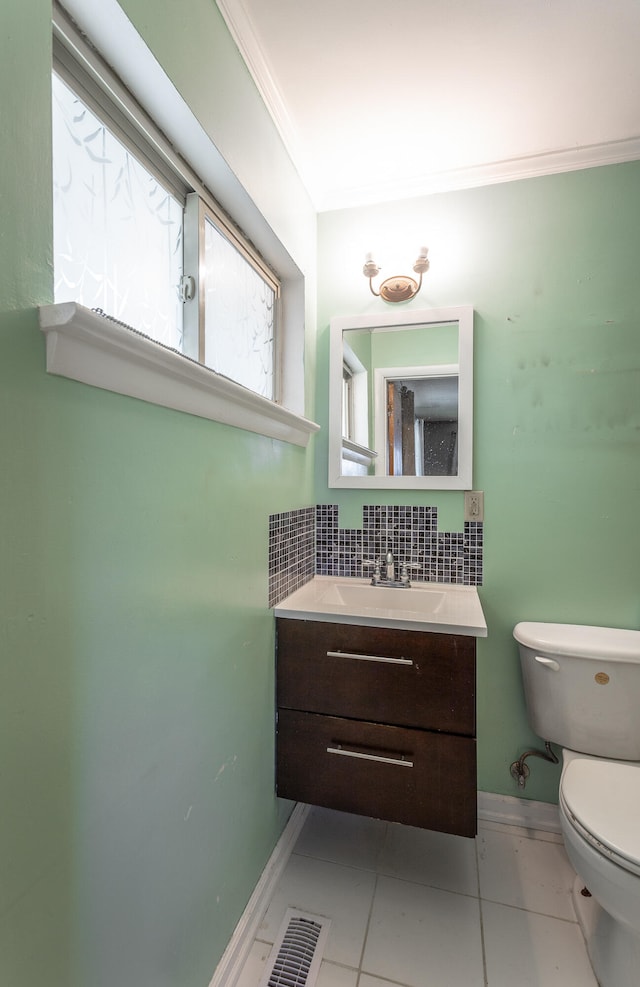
(412, 535)
(309, 541)
(292, 552)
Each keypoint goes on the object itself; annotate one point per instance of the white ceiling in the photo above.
(382, 99)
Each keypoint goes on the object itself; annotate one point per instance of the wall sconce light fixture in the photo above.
(400, 287)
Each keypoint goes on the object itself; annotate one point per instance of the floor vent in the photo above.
(297, 952)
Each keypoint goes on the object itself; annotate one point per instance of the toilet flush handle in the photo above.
(549, 662)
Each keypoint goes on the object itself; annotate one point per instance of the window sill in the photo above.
(353, 452)
(85, 346)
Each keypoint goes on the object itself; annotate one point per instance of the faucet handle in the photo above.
(375, 579)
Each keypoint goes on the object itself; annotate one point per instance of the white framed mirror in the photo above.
(401, 400)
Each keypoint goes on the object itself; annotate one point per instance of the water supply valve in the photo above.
(520, 771)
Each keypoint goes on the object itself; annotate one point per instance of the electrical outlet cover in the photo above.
(474, 505)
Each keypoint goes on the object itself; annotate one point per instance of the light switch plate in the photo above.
(474, 505)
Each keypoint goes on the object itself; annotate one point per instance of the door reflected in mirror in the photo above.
(421, 425)
(401, 398)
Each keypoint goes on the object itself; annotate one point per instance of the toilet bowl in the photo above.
(582, 689)
(599, 813)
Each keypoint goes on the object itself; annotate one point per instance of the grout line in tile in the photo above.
(423, 884)
(383, 980)
(336, 863)
(366, 931)
(382, 847)
(530, 911)
(522, 832)
(484, 954)
(342, 966)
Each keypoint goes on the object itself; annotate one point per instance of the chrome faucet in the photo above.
(390, 567)
(389, 578)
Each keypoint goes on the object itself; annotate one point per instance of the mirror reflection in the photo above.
(421, 436)
(401, 400)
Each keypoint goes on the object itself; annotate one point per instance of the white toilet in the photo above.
(582, 688)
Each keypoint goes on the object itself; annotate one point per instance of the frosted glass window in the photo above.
(117, 231)
(239, 316)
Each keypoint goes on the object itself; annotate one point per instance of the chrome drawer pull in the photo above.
(392, 661)
(371, 757)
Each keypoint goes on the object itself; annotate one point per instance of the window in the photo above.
(231, 315)
(118, 248)
(239, 315)
(117, 231)
(138, 238)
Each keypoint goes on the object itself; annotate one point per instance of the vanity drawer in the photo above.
(409, 776)
(406, 678)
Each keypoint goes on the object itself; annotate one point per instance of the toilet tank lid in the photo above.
(580, 640)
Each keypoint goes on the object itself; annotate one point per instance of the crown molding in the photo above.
(241, 29)
(492, 173)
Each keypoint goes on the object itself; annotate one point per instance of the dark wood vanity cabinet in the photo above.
(378, 721)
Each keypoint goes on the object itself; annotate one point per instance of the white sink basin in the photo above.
(440, 607)
(407, 600)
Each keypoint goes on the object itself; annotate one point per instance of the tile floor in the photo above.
(414, 908)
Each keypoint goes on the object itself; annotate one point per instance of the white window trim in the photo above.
(87, 347)
(355, 453)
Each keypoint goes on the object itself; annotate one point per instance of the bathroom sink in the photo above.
(406, 600)
(441, 607)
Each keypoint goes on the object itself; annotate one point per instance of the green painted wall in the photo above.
(415, 347)
(551, 268)
(136, 649)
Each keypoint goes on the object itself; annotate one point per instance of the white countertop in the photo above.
(443, 608)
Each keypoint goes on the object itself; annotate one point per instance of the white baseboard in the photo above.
(234, 957)
(512, 811)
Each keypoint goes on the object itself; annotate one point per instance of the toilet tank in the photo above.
(582, 686)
